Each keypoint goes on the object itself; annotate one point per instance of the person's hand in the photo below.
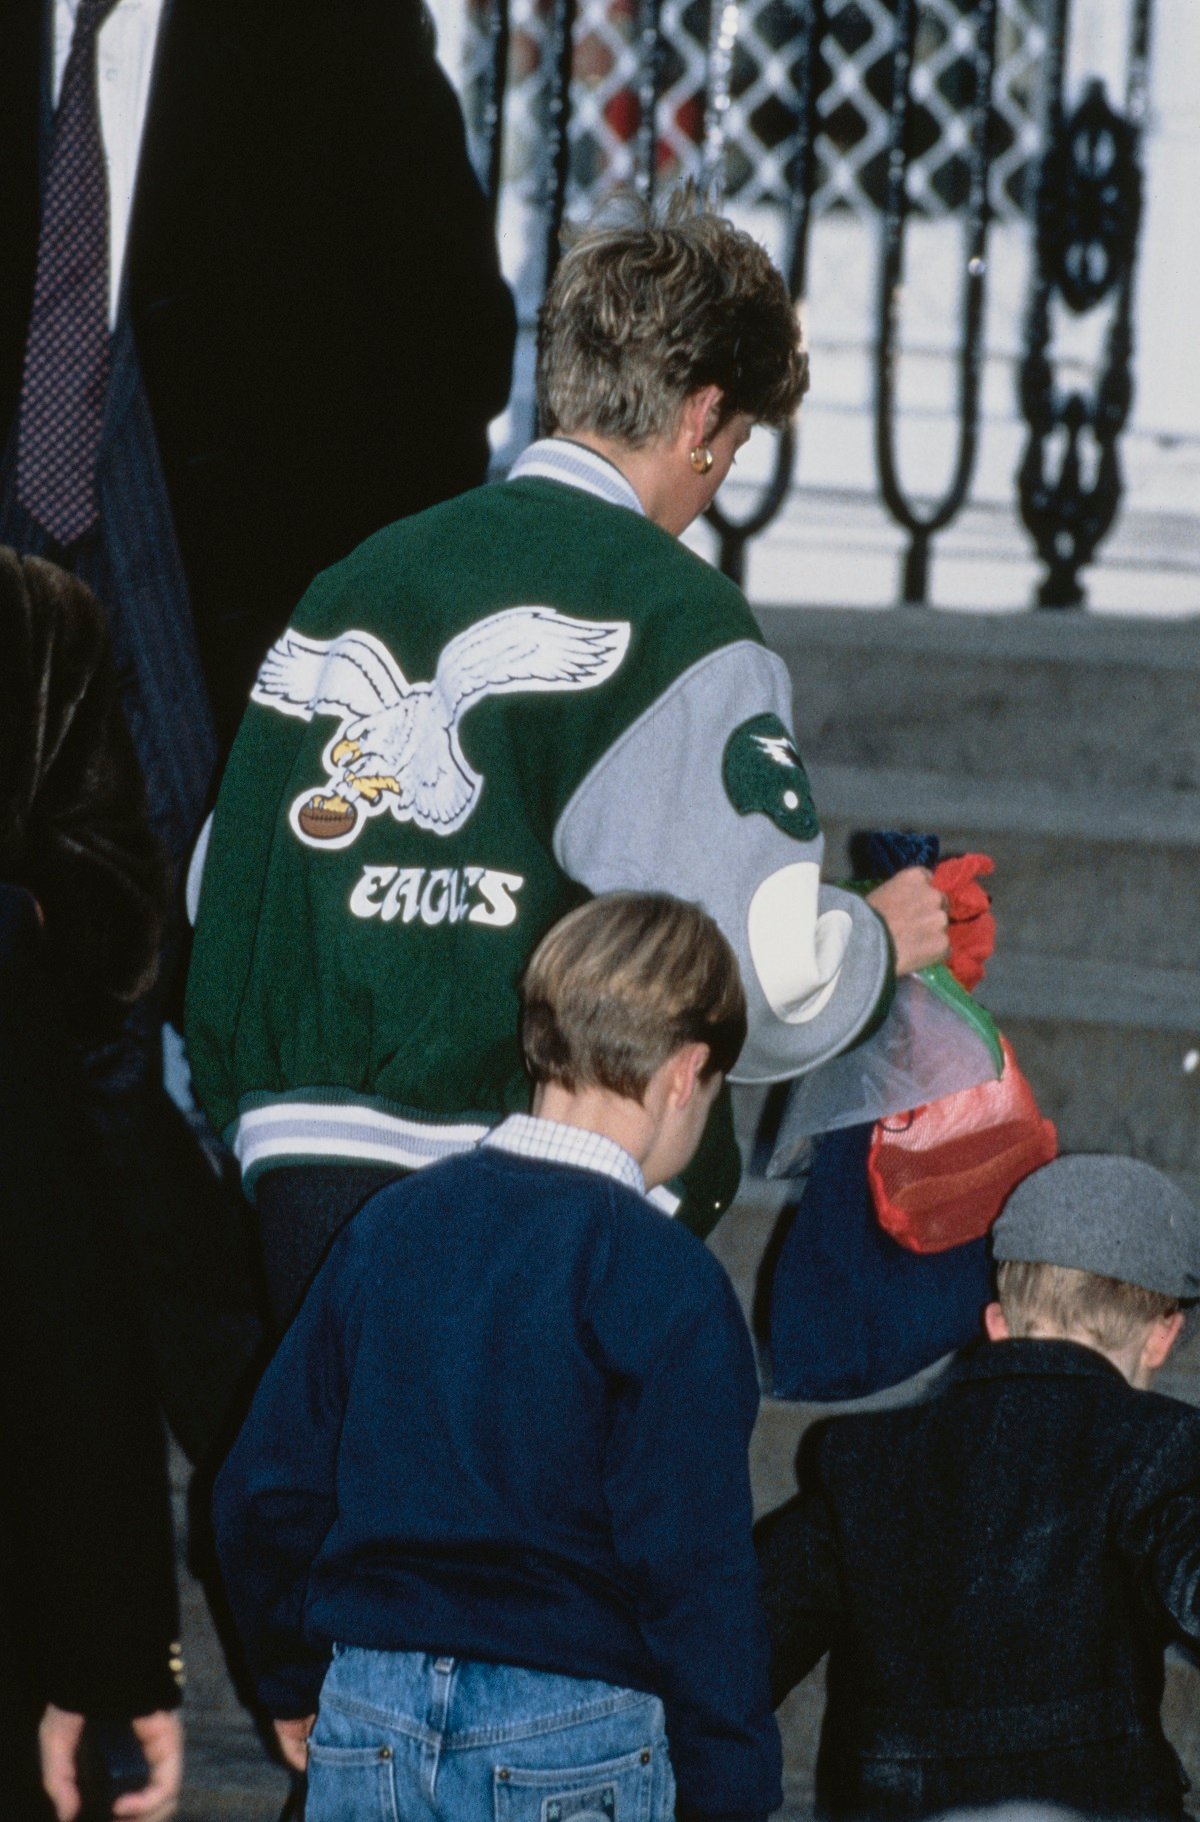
(161, 1739)
(917, 917)
(58, 1742)
(293, 1740)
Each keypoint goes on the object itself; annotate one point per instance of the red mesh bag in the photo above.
(941, 1174)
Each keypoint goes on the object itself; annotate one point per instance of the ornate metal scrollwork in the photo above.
(1088, 217)
(735, 534)
(1093, 203)
(650, 62)
(921, 525)
(558, 121)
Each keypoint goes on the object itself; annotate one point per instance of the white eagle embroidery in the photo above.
(778, 747)
(396, 746)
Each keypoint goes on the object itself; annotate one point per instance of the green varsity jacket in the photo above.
(487, 712)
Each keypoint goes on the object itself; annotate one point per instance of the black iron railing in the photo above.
(1086, 237)
(921, 523)
(735, 534)
(1084, 216)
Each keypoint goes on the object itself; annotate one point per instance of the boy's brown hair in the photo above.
(1111, 1313)
(623, 982)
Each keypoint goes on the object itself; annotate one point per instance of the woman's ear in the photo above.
(714, 416)
(701, 416)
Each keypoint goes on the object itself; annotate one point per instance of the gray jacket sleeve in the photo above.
(705, 796)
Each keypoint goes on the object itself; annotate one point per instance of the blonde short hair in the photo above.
(1111, 1313)
(623, 982)
(643, 312)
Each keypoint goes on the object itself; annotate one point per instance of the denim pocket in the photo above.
(350, 1784)
(618, 1790)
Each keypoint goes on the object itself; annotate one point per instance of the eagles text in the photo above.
(437, 895)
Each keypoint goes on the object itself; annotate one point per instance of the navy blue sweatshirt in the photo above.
(511, 1423)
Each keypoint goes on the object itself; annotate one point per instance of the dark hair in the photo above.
(73, 827)
(621, 984)
(646, 310)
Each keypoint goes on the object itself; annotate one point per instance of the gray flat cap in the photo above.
(1112, 1216)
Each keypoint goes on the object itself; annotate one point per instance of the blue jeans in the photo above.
(402, 1737)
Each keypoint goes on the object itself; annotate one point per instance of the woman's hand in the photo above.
(917, 916)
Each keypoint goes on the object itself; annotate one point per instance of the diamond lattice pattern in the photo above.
(854, 79)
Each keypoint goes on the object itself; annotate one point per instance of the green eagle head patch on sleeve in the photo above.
(763, 773)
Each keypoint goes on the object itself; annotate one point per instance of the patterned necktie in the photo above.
(66, 354)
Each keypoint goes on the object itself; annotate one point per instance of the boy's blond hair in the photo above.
(1110, 1313)
(623, 982)
(644, 311)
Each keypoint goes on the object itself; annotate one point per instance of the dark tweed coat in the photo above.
(995, 1573)
(74, 835)
(87, 1587)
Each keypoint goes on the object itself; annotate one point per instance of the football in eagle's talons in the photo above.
(325, 818)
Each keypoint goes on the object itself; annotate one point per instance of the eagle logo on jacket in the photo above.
(396, 746)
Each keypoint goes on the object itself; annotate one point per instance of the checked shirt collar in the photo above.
(557, 1143)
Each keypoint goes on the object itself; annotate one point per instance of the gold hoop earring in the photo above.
(701, 459)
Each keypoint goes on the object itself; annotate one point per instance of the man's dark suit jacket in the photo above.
(312, 280)
(995, 1573)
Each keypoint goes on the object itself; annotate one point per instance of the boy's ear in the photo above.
(685, 1070)
(996, 1323)
(1162, 1338)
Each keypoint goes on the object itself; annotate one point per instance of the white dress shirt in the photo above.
(124, 69)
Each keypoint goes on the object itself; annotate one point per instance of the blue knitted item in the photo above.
(852, 1311)
(891, 850)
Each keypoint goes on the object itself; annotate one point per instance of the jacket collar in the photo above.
(559, 459)
(1034, 1359)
